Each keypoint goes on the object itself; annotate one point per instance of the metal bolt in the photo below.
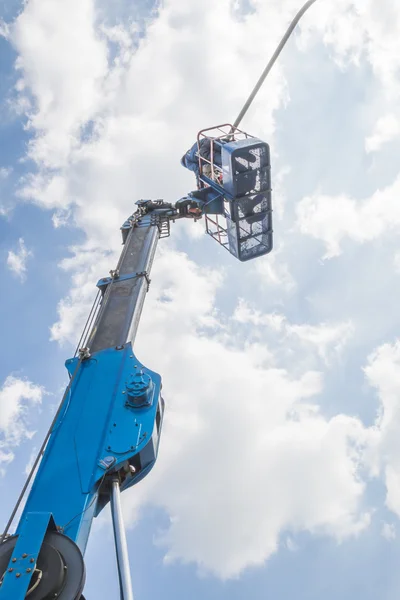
(14, 560)
(65, 567)
(28, 570)
(10, 570)
(17, 574)
(24, 555)
(32, 560)
(124, 392)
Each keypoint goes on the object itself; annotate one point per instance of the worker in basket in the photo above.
(190, 160)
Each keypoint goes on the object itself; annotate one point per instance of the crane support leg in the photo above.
(121, 546)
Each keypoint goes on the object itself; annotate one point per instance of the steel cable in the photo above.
(272, 62)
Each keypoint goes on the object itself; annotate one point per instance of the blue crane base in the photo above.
(110, 423)
(43, 563)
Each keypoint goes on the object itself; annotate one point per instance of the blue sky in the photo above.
(278, 471)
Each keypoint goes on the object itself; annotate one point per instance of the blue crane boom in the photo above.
(106, 435)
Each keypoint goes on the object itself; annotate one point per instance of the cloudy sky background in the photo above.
(279, 467)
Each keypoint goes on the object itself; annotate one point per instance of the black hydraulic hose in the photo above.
(272, 61)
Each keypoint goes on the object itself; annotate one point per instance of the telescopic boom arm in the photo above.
(106, 434)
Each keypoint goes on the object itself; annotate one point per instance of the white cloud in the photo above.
(16, 261)
(29, 464)
(119, 156)
(383, 373)
(291, 545)
(328, 340)
(359, 30)
(275, 271)
(5, 172)
(248, 501)
(386, 129)
(219, 390)
(246, 453)
(60, 218)
(396, 261)
(333, 219)
(17, 396)
(64, 81)
(245, 314)
(4, 29)
(389, 531)
(5, 458)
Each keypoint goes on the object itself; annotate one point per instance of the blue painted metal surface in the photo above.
(23, 560)
(246, 167)
(99, 431)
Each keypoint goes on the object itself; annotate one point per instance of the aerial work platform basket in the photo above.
(237, 167)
